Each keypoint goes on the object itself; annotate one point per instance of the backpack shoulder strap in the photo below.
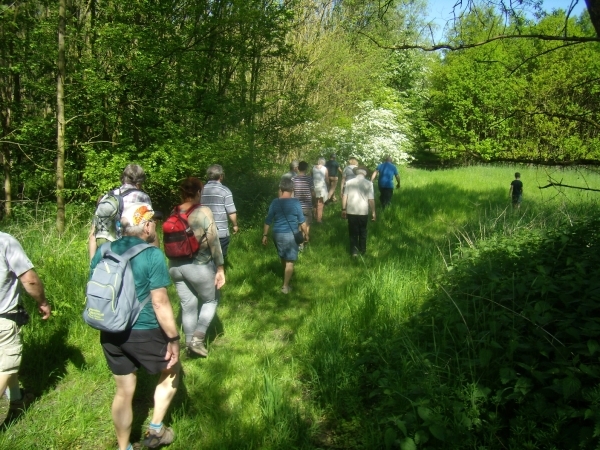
(134, 251)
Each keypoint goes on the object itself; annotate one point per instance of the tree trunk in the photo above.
(60, 119)
(593, 7)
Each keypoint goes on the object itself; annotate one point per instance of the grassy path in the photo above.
(278, 374)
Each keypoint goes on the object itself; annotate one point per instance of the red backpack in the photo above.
(179, 239)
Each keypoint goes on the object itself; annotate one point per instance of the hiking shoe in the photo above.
(197, 346)
(286, 289)
(155, 439)
(18, 406)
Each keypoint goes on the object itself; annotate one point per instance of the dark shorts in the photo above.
(224, 245)
(128, 351)
(287, 248)
(516, 199)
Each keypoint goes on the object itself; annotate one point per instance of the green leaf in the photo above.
(570, 385)
(389, 437)
(425, 413)
(593, 346)
(438, 431)
(408, 444)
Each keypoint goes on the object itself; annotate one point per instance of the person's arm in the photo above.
(372, 207)
(397, 181)
(340, 170)
(344, 201)
(374, 175)
(92, 246)
(35, 288)
(166, 320)
(220, 277)
(265, 234)
(510, 190)
(233, 219)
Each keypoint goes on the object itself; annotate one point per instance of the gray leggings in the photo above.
(195, 283)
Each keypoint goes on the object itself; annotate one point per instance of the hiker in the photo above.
(15, 267)
(293, 171)
(104, 223)
(286, 216)
(387, 171)
(333, 167)
(220, 201)
(516, 191)
(304, 191)
(357, 199)
(153, 341)
(198, 279)
(320, 178)
(348, 172)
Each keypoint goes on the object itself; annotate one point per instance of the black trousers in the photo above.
(385, 196)
(357, 228)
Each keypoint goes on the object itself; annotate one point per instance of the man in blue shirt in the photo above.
(387, 172)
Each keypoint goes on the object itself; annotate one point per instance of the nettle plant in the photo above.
(375, 133)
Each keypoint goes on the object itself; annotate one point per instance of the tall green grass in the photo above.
(362, 354)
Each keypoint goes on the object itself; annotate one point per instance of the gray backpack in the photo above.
(111, 301)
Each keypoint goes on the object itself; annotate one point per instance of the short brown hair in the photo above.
(189, 188)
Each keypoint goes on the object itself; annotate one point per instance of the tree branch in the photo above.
(433, 48)
(551, 183)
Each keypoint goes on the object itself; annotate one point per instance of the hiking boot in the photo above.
(197, 346)
(19, 406)
(155, 439)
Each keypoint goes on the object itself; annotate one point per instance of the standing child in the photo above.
(516, 191)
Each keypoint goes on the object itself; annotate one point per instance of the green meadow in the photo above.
(466, 325)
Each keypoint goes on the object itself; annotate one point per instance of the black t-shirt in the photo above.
(517, 186)
(332, 167)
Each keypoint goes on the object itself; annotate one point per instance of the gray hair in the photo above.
(293, 165)
(133, 174)
(214, 172)
(131, 230)
(286, 185)
(321, 161)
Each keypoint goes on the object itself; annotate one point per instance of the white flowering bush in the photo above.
(374, 134)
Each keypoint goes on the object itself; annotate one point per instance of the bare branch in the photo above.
(551, 183)
(433, 48)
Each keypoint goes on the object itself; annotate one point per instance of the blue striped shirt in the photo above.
(220, 201)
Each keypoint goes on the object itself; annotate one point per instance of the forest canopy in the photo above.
(179, 85)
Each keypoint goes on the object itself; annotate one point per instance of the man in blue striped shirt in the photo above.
(220, 201)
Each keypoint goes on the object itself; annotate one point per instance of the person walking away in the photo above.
(348, 172)
(293, 171)
(357, 199)
(198, 280)
(15, 267)
(387, 171)
(516, 191)
(320, 178)
(285, 216)
(220, 201)
(304, 191)
(103, 224)
(333, 167)
(152, 342)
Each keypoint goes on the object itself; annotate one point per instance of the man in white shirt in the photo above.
(358, 197)
(15, 267)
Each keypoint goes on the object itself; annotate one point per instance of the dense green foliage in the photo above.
(516, 99)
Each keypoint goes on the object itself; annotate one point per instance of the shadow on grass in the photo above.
(364, 377)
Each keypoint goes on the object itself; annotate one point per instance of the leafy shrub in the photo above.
(504, 355)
